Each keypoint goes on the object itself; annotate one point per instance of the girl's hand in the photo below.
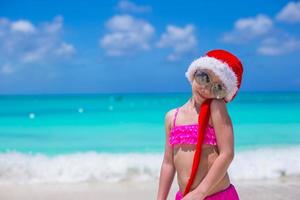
(194, 196)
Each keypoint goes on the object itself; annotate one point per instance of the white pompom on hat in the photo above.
(223, 64)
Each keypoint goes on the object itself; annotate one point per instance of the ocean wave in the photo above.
(17, 167)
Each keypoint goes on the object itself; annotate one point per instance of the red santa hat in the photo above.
(223, 64)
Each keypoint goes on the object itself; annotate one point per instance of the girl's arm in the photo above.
(224, 133)
(167, 170)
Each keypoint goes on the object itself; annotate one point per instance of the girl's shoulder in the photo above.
(170, 113)
(169, 116)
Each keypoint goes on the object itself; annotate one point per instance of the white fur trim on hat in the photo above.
(221, 69)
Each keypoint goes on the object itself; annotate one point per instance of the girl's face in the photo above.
(201, 92)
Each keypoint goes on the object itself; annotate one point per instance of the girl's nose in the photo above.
(203, 88)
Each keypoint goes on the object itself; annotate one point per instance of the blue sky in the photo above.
(143, 46)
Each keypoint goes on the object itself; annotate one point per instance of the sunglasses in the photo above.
(204, 79)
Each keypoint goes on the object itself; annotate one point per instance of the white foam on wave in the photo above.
(77, 167)
(16, 167)
(266, 163)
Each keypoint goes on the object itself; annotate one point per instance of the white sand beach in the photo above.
(272, 189)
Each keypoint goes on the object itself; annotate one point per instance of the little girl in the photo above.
(215, 79)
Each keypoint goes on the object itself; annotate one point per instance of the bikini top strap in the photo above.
(175, 116)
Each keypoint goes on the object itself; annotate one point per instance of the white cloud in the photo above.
(65, 49)
(276, 46)
(23, 26)
(34, 55)
(6, 69)
(272, 41)
(180, 40)
(126, 35)
(246, 29)
(22, 42)
(55, 26)
(128, 6)
(290, 13)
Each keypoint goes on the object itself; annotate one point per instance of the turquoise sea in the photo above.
(43, 137)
